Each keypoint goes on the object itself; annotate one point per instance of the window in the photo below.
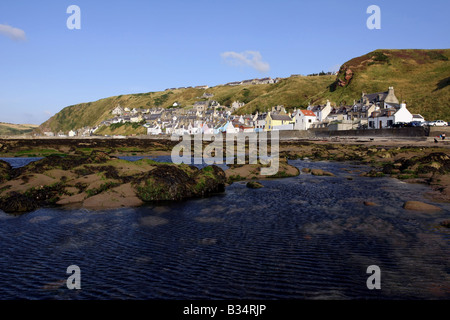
(390, 123)
(309, 120)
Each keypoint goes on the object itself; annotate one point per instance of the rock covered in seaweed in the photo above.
(98, 181)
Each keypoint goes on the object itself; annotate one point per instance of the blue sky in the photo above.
(140, 46)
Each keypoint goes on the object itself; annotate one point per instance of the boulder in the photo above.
(420, 206)
(5, 171)
(254, 185)
(320, 172)
(373, 174)
(306, 170)
(18, 203)
(168, 182)
(369, 203)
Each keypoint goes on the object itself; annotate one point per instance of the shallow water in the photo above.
(305, 237)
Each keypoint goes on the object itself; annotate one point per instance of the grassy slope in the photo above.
(421, 77)
(9, 129)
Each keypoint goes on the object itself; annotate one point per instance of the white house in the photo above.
(323, 112)
(237, 104)
(304, 119)
(260, 121)
(137, 118)
(393, 113)
(118, 110)
(153, 130)
(180, 131)
(194, 129)
(207, 129)
(230, 128)
(72, 133)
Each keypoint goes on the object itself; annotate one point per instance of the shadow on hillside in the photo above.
(442, 84)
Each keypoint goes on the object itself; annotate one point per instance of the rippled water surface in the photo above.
(305, 237)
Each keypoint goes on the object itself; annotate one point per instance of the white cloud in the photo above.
(247, 58)
(12, 33)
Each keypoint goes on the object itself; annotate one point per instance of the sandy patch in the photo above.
(121, 196)
(34, 181)
(58, 174)
(78, 198)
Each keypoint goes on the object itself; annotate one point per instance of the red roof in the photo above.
(308, 113)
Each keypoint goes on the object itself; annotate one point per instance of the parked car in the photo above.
(414, 124)
(399, 125)
(439, 123)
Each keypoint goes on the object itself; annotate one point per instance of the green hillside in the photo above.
(9, 129)
(420, 77)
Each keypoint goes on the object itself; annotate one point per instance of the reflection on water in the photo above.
(305, 237)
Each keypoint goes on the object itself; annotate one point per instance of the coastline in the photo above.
(407, 160)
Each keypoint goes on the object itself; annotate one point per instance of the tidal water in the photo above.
(304, 237)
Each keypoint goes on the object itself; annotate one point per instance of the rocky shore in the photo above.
(101, 181)
(412, 164)
(97, 179)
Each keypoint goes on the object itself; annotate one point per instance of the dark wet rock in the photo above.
(209, 180)
(18, 203)
(320, 172)
(420, 206)
(5, 171)
(388, 168)
(437, 162)
(31, 199)
(445, 223)
(62, 162)
(254, 185)
(373, 174)
(169, 182)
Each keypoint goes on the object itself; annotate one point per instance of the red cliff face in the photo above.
(344, 77)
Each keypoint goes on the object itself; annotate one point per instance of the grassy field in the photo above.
(122, 129)
(420, 77)
(9, 129)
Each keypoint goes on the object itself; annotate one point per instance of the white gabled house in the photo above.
(230, 128)
(72, 133)
(118, 111)
(323, 112)
(154, 130)
(304, 119)
(392, 114)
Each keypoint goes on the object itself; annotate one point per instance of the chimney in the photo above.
(391, 90)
